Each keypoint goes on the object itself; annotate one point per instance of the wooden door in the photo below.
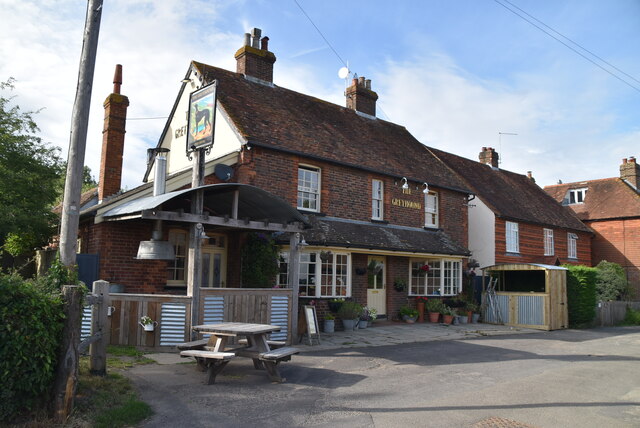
(376, 285)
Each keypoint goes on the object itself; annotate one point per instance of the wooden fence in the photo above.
(173, 314)
(611, 313)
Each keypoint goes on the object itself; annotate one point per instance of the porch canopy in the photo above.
(232, 205)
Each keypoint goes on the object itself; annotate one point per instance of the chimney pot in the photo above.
(117, 79)
(264, 43)
(361, 81)
(624, 161)
(632, 159)
(256, 33)
(367, 84)
(247, 39)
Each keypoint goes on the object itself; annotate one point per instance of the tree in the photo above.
(611, 283)
(29, 175)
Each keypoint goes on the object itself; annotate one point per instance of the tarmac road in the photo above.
(566, 378)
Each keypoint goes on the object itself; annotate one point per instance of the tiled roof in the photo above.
(282, 119)
(510, 195)
(335, 232)
(605, 199)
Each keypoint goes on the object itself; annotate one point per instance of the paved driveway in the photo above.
(568, 378)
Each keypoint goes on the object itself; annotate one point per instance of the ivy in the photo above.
(259, 261)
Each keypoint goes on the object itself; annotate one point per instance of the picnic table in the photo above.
(214, 353)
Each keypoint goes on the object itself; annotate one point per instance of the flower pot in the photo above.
(329, 326)
(349, 325)
(462, 319)
(334, 306)
(363, 324)
(447, 319)
(475, 318)
(420, 307)
(408, 319)
(434, 316)
(149, 327)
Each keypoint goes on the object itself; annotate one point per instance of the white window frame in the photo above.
(307, 193)
(447, 282)
(549, 249)
(431, 209)
(311, 270)
(572, 246)
(173, 265)
(377, 199)
(512, 237)
(576, 196)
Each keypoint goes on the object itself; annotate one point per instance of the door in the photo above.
(376, 284)
(214, 267)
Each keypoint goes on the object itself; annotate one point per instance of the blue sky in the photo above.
(455, 73)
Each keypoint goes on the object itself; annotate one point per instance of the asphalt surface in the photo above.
(566, 378)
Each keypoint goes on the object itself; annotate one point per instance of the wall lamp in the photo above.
(302, 243)
(426, 188)
(405, 185)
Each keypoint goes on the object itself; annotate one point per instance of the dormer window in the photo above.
(576, 196)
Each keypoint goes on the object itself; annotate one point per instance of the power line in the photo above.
(570, 47)
(147, 118)
(320, 32)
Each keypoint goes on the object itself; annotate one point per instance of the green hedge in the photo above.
(581, 295)
(31, 323)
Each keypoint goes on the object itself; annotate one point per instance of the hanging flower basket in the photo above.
(147, 323)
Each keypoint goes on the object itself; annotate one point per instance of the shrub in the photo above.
(611, 282)
(581, 294)
(259, 261)
(30, 327)
(631, 317)
(350, 311)
(433, 305)
(409, 312)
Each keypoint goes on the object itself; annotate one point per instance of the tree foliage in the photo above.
(611, 282)
(259, 261)
(29, 175)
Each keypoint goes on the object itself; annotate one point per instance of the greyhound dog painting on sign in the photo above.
(202, 117)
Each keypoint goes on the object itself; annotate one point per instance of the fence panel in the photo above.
(609, 314)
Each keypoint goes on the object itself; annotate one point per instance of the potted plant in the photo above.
(474, 309)
(408, 314)
(329, 323)
(447, 314)
(433, 308)
(349, 313)
(368, 315)
(147, 323)
(400, 284)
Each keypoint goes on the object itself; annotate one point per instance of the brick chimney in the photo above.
(630, 171)
(489, 156)
(115, 118)
(360, 97)
(254, 58)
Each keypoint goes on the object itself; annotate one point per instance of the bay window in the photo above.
(435, 277)
(328, 275)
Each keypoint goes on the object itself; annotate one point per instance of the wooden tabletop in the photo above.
(236, 328)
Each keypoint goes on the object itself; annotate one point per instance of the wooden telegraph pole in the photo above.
(78, 141)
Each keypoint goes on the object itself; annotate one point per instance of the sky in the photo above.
(455, 73)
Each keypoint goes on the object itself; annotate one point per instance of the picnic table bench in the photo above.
(213, 361)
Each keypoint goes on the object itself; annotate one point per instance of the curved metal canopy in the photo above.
(253, 204)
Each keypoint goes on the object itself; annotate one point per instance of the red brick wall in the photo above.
(618, 241)
(532, 245)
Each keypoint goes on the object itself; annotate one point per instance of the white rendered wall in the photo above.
(482, 232)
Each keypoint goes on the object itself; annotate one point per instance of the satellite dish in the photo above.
(223, 172)
(343, 73)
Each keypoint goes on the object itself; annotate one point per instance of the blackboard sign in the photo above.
(312, 324)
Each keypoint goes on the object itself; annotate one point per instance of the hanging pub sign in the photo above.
(202, 118)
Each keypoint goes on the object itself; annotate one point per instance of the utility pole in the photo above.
(78, 141)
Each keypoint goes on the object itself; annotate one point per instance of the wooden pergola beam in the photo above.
(221, 221)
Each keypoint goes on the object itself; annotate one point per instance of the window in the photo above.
(431, 209)
(176, 268)
(441, 278)
(214, 261)
(572, 247)
(513, 240)
(309, 188)
(548, 242)
(576, 196)
(377, 200)
(328, 276)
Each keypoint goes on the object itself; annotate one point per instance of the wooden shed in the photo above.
(525, 295)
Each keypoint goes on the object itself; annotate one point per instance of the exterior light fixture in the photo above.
(302, 243)
(405, 185)
(426, 188)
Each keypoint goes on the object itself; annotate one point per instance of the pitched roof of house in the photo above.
(510, 195)
(606, 198)
(282, 119)
(332, 231)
